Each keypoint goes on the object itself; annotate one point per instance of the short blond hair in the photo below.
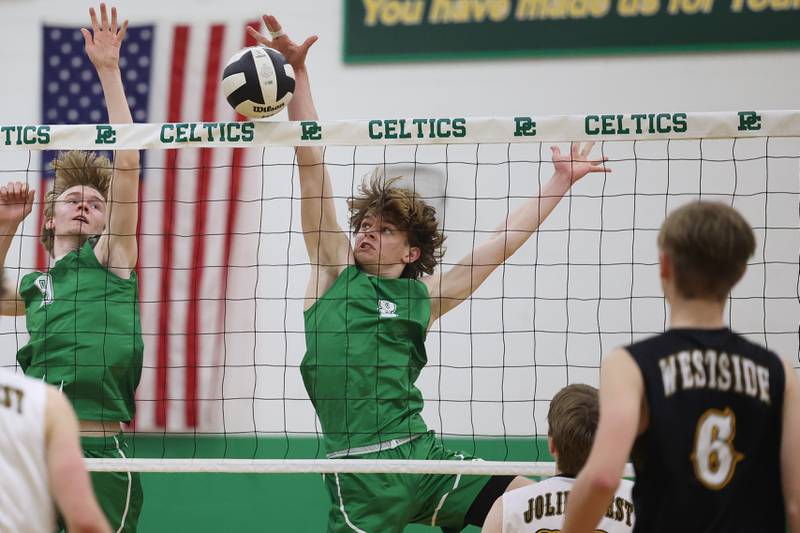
(708, 244)
(72, 168)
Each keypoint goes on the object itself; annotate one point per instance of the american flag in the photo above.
(189, 201)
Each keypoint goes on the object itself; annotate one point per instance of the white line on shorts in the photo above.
(128, 496)
(341, 507)
(444, 496)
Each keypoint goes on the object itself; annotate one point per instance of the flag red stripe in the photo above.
(209, 113)
(180, 50)
(232, 211)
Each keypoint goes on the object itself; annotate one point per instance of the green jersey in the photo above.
(85, 334)
(365, 348)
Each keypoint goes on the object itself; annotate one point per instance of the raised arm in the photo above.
(790, 439)
(456, 285)
(117, 248)
(327, 244)
(16, 202)
(621, 394)
(69, 480)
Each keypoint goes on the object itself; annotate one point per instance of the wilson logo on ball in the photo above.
(258, 82)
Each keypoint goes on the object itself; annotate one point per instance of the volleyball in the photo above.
(258, 82)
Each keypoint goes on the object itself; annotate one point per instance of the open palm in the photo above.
(577, 164)
(294, 53)
(103, 42)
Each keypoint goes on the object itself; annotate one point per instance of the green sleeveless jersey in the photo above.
(365, 348)
(85, 335)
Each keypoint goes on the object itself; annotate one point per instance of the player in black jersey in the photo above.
(710, 418)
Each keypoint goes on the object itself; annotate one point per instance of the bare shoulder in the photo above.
(620, 360)
(115, 256)
(58, 412)
(56, 403)
(320, 281)
(620, 378)
(432, 283)
(792, 382)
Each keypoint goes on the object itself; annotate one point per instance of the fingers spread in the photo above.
(93, 16)
(114, 20)
(308, 42)
(257, 36)
(123, 31)
(103, 18)
(272, 23)
(87, 36)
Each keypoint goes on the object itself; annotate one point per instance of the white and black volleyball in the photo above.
(258, 82)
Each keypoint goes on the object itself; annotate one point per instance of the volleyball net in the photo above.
(223, 268)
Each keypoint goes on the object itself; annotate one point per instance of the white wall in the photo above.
(695, 82)
(685, 82)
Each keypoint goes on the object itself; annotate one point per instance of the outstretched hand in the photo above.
(103, 42)
(16, 202)
(577, 164)
(294, 53)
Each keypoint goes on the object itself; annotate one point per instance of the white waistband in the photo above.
(373, 448)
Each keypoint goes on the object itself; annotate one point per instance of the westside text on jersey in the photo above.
(707, 369)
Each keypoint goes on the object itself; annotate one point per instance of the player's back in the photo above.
(25, 503)
(540, 507)
(709, 460)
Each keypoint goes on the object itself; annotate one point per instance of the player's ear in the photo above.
(48, 224)
(551, 447)
(664, 265)
(413, 254)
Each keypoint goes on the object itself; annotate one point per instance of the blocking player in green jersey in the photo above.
(82, 312)
(369, 305)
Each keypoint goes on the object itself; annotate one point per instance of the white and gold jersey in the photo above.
(540, 508)
(25, 503)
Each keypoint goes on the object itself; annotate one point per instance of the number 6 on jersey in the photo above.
(714, 457)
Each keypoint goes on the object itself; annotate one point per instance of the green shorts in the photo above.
(118, 493)
(382, 503)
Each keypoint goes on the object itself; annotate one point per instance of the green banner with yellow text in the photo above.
(398, 30)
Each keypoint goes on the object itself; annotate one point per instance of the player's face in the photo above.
(80, 210)
(379, 243)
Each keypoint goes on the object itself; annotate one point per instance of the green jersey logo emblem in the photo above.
(45, 285)
(387, 309)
